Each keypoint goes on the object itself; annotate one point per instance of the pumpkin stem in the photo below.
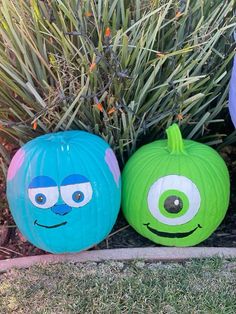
(174, 139)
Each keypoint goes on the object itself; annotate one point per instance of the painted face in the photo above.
(75, 191)
(64, 191)
(175, 192)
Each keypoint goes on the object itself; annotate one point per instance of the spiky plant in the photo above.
(122, 69)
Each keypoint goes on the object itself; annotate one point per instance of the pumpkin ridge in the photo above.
(127, 189)
(211, 173)
(98, 147)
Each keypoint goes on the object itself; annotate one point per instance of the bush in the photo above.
(122, 69)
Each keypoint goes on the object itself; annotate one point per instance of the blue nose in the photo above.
(61, 209)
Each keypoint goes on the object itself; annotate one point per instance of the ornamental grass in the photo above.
(124, 70)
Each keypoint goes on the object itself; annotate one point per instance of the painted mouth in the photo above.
(50, 227)
(171, 235)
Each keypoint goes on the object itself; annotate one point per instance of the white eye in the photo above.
(44, 197)
(76, 195)
(171, 195)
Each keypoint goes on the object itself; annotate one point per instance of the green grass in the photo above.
(201, 286)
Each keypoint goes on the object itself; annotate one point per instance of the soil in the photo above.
(13, 244)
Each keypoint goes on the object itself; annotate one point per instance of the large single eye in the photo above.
(76, 190)
(43, 192)
(174, 200)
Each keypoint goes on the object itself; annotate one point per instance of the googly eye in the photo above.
(76, 190)
(174, 200)
(44, 197)
(43, 192)
(76, 195)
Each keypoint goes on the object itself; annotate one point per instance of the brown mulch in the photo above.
(13, 244)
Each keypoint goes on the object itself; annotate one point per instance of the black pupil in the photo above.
(173, 204)
(77, 196)
(39, 199)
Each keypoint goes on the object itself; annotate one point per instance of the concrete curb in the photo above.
(149, 253)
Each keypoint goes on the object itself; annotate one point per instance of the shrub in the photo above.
(122, 69)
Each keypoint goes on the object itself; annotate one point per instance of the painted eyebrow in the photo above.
(42, 182)
(74, 179)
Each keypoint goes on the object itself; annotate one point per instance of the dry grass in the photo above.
(203, 286)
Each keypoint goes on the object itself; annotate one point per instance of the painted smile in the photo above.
(171, 235)
(50, 227)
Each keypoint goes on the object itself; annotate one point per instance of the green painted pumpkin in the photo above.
(175, 191)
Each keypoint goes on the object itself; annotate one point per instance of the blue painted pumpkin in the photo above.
(64, 191)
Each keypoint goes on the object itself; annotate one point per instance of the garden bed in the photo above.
(13, 244)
